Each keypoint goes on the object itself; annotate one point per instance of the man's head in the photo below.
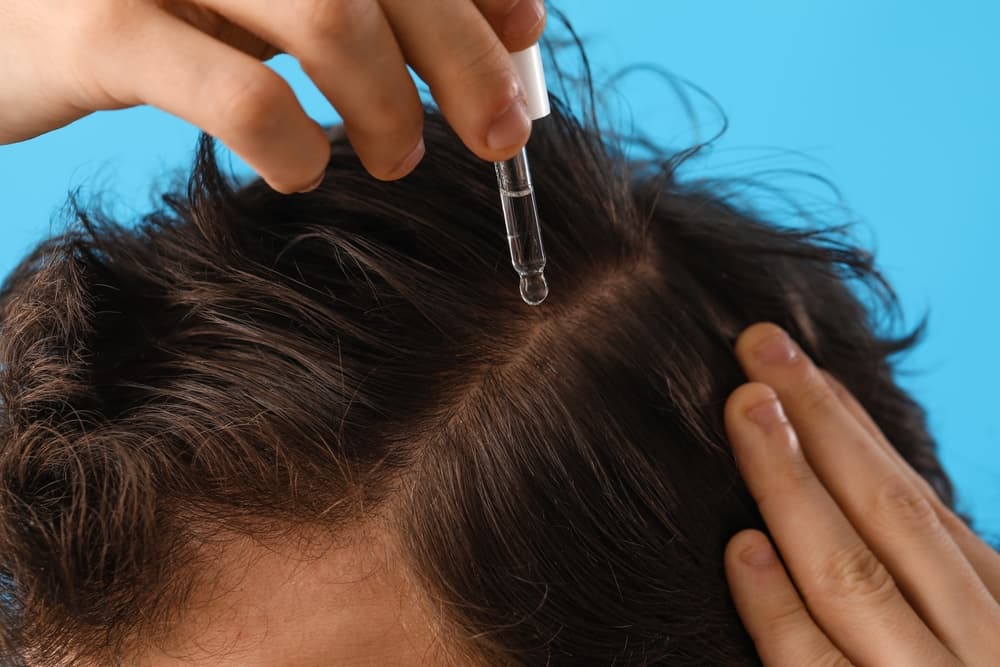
(313, 429)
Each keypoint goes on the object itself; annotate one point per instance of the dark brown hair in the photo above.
(560, 476)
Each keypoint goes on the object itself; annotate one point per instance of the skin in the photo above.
(294, 603)
(876, 570)
(202, 61)
(873, 569)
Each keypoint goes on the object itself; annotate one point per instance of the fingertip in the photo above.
(754, 335)
(750, 562)
(752, 548)
(744, 398)
(300, 178)
(749, 393)
(315, 184)
(291, 156)
(760, 434)
(523, 26)
(770, 607)
(509, 131)
(403, 168)
(493, 121)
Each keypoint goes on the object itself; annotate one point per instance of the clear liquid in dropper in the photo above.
(534, 288)
(523, 229)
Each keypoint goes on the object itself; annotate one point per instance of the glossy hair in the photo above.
(246, 362)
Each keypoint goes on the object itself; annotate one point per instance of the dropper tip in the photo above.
(534, 288)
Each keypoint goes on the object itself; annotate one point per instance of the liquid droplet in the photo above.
(534, 289)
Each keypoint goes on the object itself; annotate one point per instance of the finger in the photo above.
(214, 24)
(861, 415)
(884, 506)
(348, 49)
(845, 587)
(469, 72)
(225, 92)
(518, 23)
(985, 561)
(983, 558)
(771, 610)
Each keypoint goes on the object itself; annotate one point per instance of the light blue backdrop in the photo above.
(896, 102)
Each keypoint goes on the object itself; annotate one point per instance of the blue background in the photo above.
(895, 102)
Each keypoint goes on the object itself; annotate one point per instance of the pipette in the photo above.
(517, 192)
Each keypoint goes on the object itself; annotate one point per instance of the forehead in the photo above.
(293, 604)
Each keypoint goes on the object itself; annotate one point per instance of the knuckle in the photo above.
(784, 620)
(791, 620)
(102, 21)
(332, 20)
(247, 103)
(897, 501)
(855, 574)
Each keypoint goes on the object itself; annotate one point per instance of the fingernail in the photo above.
(412, 160)
(523, 19)
(315, 184)
(767, 413)
(758, 555)
(776, 349)
(510, 128)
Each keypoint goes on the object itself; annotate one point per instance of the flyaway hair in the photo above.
(242, 362)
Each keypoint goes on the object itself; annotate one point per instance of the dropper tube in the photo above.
(524, 233)
(517, 192)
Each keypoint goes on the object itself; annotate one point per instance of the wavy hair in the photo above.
(560, 476)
